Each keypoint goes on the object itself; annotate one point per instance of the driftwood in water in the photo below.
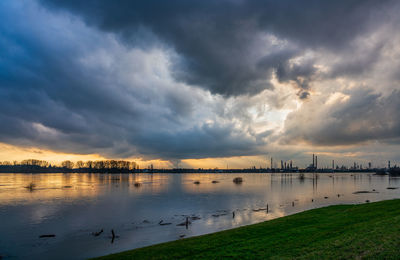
(162, 223)
(218, 215)
(215, 182)
(196, 182)
(31, 186)
(186, 223)
(364, 191)
(165, 224)
(113, 236)
(48, 235)
(260, 209)
(96, 234)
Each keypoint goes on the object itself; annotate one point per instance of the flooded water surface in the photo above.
(144, 209)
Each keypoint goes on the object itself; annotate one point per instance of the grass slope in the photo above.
(368, 231)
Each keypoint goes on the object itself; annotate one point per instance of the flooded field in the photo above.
(145, 209)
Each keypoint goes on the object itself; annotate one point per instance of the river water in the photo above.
(73, 206)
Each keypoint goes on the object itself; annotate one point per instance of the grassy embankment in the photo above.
(370, 230)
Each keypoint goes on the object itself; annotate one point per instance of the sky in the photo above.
(206, 84)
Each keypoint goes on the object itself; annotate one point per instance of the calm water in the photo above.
(72, 206)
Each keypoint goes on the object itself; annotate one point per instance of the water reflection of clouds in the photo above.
(224, 183)
(276, 188)
(149, 183)
(72, 202)
(41, 213)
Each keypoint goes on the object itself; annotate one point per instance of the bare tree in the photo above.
(67, 164)
(79, 164)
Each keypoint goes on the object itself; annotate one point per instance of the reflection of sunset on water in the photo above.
(47, 187)
(74, 205)
(73, 186)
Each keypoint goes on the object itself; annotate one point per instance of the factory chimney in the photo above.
(313, 161)
(271, 164)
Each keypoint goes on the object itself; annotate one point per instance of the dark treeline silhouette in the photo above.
(39, 166)
(121, 166)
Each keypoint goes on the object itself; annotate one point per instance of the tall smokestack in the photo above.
(333, 164)
(313, 160)
(316, 162)
(271, 164)
(388, 164)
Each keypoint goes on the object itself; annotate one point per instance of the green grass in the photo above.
(367, 231)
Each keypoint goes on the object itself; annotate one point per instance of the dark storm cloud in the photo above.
(214, 139)
(221, 44)
(53, 96)
(361, 61)
(103, 88)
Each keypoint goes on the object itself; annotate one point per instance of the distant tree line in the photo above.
(102, 166)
